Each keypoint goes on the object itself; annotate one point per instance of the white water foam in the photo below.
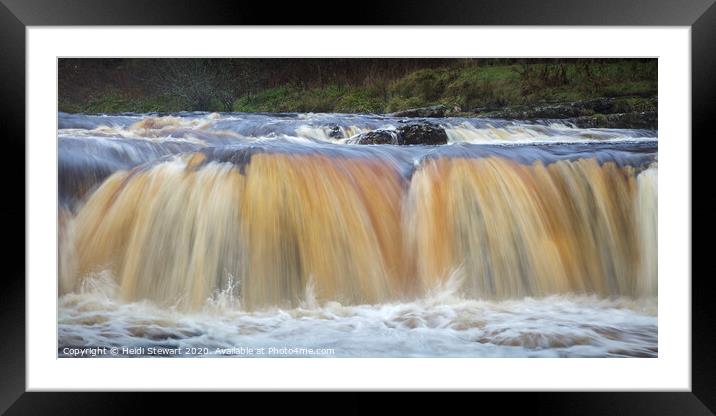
(534, 134)
(442, 324)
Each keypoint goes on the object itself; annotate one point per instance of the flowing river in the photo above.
(197, 234)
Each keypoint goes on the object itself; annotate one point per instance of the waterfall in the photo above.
(362, 230)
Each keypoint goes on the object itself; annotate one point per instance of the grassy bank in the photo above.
(461, 85)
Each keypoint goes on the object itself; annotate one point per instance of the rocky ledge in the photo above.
(611, 112)
(607, 112)
(427, 112)
(635, 120)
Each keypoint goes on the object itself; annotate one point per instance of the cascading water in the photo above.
(513, 239)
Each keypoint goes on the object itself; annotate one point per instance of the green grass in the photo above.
(292, 98)
(461, 86)
(117, 102)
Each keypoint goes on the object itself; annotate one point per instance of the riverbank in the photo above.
(588, 93)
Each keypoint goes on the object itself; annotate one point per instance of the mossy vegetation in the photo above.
(463, 85)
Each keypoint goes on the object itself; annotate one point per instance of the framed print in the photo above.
(369, 207)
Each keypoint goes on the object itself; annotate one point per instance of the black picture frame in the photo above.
(15, 15)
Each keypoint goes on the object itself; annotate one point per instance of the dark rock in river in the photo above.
(335, 132)
(426, 134)
(421, 134)
(433, 111)
(377, 137)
